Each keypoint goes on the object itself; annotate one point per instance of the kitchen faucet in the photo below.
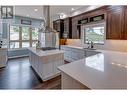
(90, 44)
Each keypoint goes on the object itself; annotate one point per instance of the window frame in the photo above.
(20, 37)
(91, 25)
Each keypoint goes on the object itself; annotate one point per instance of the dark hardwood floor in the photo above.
(18, 74)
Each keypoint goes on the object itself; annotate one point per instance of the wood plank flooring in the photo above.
(18, 74)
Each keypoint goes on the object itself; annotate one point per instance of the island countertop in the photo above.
(41, 53)
(105, 70)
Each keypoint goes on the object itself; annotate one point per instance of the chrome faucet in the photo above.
(90, 44)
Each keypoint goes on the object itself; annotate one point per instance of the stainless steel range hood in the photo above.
(48, 37)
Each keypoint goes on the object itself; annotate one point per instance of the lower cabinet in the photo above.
(46, 66)
(70, 83)
(72, 54)
(3, 57)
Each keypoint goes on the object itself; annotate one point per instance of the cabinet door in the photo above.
(75, 31)
(114, 22)
(46, 67)
(125, 23)
(68, 27)
(59, 60)
(58, 25)
(3, 57)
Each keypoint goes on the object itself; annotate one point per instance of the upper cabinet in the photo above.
(58, 25)
(125, 22)
(114, 16)
(84, 18)
(75, 28)
(68, 28)
(115, 22)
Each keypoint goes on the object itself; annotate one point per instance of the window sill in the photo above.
(17, 49)
(97, 43)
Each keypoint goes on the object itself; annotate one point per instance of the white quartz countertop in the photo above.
(106, 70)
(40, 53)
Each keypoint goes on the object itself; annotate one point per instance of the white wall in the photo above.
(116, 45)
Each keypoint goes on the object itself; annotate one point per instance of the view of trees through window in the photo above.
(95, 34)
(22, 36)
(25, 33)
(14, 33)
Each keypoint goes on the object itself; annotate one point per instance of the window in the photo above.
(25, 33)
(22, 36)
(14, 44)
(94, 34)
(34, 33)
(14, 33)
(34, 36)
(14, 37)
(25, 44)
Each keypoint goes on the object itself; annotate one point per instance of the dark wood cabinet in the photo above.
(76, 31)
(58, 25)
(74, 28)
(115, 22)
(114, 16)
(68, 27)
(125, 22)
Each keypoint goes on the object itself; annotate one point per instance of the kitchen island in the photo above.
(3, 57)
(45, 63)
(105, 70)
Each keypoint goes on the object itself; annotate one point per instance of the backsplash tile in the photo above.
(115, 45)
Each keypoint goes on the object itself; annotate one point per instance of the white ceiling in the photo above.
(55, 11)
(29, 11)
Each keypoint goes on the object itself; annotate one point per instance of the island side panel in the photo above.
(33, 58)
(46, 66)
(70, 83)
(3, 57)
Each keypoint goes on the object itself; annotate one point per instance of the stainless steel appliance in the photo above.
(48, 37)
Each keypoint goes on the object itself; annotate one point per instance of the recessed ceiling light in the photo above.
(72, 9)
(40, 17)
(27, 15)
(35, 10)
(62, 15)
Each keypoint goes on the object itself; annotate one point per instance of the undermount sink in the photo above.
(89, 48)
(48, 48)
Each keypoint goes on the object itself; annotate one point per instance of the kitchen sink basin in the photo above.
(89, 48)
(48, 48)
